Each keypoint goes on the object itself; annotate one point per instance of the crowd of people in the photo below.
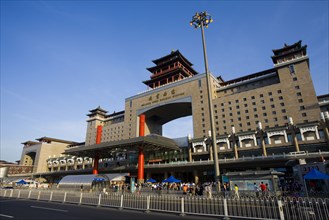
(205, 189)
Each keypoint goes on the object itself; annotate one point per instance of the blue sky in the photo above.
(59, 59)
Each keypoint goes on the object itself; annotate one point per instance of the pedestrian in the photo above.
(267, 193)
(225, 190)
(210, 191)
(262, 188)
(256, 190)
(185, 188)
(236, 191)
(81, 188)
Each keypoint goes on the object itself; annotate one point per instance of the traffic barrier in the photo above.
(302, 208)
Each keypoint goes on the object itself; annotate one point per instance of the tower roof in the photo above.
(96, 111)
(289, 52)
(172, 55)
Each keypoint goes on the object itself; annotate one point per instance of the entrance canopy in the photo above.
(149, 143)
(86, 181)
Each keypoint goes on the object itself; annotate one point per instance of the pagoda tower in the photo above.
(168, 69)
(289, 53)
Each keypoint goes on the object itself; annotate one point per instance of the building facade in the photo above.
(275, 111)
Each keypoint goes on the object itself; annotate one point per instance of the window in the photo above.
(270, 93)
(304, 114)
(256, 116)
(299, 94)
(301, 107)
(261, 95)
(300, 100)
(272, 106)
(291, 68)
(246, 111)
(294, 79)
(297, 87)
(252, 97)
(279, 91)
(283, 111)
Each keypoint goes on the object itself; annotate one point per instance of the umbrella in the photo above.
(314, 174)
(171, 179)
(151, 180)
(99, 179)
(21, 182)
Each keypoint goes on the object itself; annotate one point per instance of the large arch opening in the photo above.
(29, 159)
(180, 127)
(171, 120)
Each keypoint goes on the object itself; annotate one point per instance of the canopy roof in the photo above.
(149, 143)
(76, 181)
(314, 174)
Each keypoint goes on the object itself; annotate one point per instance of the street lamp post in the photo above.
(201, 20)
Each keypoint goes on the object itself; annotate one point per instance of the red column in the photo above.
(99, 134)
(98, 141)
(95, 166)
(140, 173)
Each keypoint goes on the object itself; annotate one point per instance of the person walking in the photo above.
(236, 191)
(256, 190)
(262, 188)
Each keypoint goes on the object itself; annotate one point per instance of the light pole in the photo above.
(201, 20)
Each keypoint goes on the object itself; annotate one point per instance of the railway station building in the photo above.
(264, 120)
